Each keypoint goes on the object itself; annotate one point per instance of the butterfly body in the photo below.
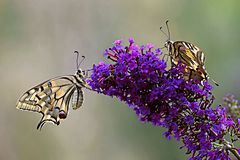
(53, 97)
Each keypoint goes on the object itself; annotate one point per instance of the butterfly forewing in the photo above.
(53, 98)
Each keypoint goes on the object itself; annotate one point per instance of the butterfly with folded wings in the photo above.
(53, 97)
(188, 54)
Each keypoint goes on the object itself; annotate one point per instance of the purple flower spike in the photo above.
(139, 77)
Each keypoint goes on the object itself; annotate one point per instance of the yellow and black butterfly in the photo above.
(188, 54)
(53, 97)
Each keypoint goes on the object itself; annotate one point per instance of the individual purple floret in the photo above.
(158, 94)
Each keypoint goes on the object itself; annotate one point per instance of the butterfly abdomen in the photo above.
(77, 99)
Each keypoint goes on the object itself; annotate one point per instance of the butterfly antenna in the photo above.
(83, 57)
(163, 31)
(165, 35)
(168, 29)
(77, 60)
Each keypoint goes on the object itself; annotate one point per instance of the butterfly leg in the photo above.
(166, 55)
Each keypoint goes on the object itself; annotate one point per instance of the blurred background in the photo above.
(37, 40)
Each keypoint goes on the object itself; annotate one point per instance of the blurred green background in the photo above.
(37, 40)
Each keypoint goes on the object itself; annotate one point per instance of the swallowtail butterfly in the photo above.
(53, 97)
(189, 55)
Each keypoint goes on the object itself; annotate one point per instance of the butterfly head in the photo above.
(80, 73)
(169, 45)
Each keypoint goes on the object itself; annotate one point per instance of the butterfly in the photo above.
(53, 97)
(189, 55)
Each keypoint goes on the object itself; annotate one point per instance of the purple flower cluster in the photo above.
(140, 77)
(233, 110)
(232, 106)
